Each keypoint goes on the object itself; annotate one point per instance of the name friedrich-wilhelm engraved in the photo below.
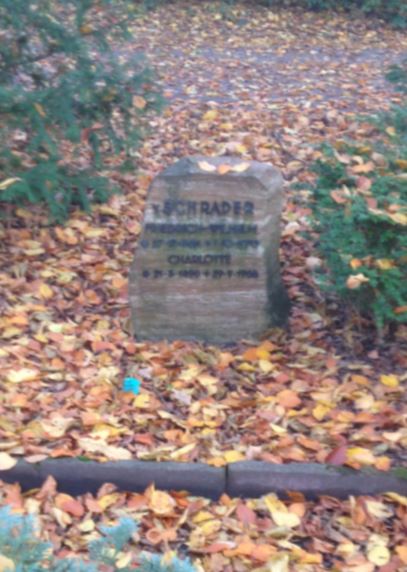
(197, 208)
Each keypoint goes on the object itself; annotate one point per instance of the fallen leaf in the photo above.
(161, 503)
(233, 456)
(223, 169)
(356, 280)
(389, 380)
(378, 555)
(360, 455)
(205, 166)
(241, 167)
(139, 102)
(210, 115)
(280, 513)
(8, 182)
(22, 375)
(401, 551)
(6, 564)
(7, 462)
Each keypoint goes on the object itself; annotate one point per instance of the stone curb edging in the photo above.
(244, 478)
(257, 478)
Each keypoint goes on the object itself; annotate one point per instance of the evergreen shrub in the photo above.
(360, 213)
(67, 100)
(22, 550)
(394, 11)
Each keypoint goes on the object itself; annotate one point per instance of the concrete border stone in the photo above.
(248, 479)
(77, 477)
(256, 478)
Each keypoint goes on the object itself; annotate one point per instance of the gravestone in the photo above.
(207, 265)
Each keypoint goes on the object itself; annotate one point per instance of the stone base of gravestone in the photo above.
(207, 264)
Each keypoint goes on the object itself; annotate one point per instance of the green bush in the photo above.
(360, 213)
(67, 101)
(394, 11)
(21, 550)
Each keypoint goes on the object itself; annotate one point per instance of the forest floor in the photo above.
(269, 86)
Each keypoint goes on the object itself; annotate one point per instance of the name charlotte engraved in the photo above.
(216, 239)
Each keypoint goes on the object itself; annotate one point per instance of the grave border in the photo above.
(248, 479)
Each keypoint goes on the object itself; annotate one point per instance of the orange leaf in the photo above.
(338, 197)
(288, 398)
(223, 169)
(364, 167)
(139, 102)
(263, 552)
(402, 553)
(69, 504)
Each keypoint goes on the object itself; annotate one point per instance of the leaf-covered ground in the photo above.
(366, 534)
(264, 85)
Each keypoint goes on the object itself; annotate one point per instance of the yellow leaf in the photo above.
(123, 560)
(202, 516)
(390, 131)
(226, 126)
(7, 462)
(397, 498)
(11, 332)
(108, 500)
(241, 167)
(216, 462)
(6, 565)
(389, 380)
(379, 510)
(280, 513)
(8, 182)
(85, 29)
(161, 503)
(279, 563)
(310, 558)
(399, 218)
(233, 456)
(207, 380)
(142, 401)
(402, 163)
(355, 281)
(183, 451)
(110, 451)
(22, 375)
(205, 166)
(87, 525)
(210, 115)
(385, 263)
(266, 366)
(360, 455)
(378, 555)
(320, 411)
(46, 291)
(40, 109)
(240, 148)
(210, 527)
(139, 102)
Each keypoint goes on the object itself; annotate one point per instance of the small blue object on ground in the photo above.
(132, 384)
